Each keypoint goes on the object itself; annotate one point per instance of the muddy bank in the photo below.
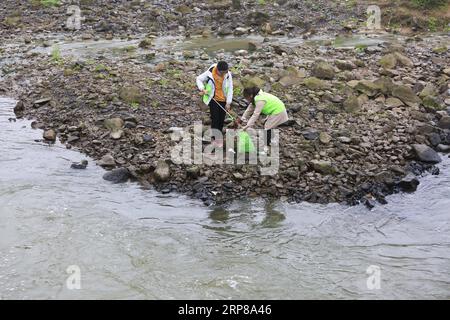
(365, 120)
(368, 112)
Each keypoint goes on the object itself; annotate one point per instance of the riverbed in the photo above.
(131, 243)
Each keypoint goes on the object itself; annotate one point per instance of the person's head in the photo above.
(250, 94)
(222, 67)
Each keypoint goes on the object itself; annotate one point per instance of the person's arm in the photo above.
(201, 79)
(248, 112)
(258, 108)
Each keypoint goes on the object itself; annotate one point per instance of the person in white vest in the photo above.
(216, 87)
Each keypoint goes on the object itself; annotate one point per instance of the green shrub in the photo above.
(50, 3)
(429, 3)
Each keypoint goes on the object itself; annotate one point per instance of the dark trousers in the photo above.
(217, 115)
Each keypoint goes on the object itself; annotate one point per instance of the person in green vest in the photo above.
(261, 102)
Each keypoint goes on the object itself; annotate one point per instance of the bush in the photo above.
(429, 3)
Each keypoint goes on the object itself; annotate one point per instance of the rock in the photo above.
(443, 148)
(429, 90)
(310, 134)
(446, 71)
(131, 94)
(432, 103)
(71, 139)
(257, 18)
(444, 123)
(19, 109)
(385, 85)
(107, 161)
(187, 54)
(345, 65)
(388, 61)
(79, 166)
(40, 102)
(403, 60)
(345, 139)
(322, 70)
(406, 94)
(440, 50)
(240, 31)
(113, 124)
(238, 176)
(324, 138)
(249, 81)
(162, 171)
(145, 43)
(352, 104)
(323, 167)
(409, 183)
(425, 154)
(120, 175)
(116, 135)
(367, 87)
(369, 202)
(314, 83)
(291, 76)
(393, 103)
(50, 135)
(193, 172)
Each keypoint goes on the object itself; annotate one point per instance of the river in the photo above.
(130, 243)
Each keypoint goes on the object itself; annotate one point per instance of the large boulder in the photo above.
(425, 154)
(406, 94)
(323, 70)
(120, 175)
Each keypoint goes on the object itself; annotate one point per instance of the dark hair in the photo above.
(222, 66)
(251, 92)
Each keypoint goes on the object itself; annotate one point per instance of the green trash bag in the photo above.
(245, 143)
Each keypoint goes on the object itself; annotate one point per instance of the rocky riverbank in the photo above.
(366, 120)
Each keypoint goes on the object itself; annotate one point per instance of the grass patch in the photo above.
(56, 55)
(50, 3)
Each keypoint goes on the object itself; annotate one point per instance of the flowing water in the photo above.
(134, 243)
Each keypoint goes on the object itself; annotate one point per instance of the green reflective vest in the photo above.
(273, 104)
